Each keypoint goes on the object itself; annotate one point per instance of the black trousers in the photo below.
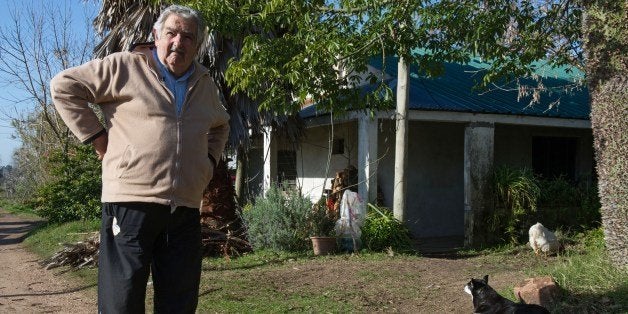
(141, 238)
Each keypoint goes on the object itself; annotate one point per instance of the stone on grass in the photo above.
(539, 290)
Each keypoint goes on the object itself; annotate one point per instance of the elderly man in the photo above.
(165, 129)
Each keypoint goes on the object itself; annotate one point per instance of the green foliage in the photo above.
(521, 200)
(278, 221)
(562, 204)
(35, 44)
(16, 208)
(74, 191)
(382, 230)
(26, 173)
(292, 49)
(296, 50)
(516, 196)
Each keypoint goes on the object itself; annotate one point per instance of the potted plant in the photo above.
(321, 225)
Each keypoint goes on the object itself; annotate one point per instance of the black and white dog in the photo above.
(487, 300)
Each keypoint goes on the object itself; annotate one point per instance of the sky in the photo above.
(79, 9)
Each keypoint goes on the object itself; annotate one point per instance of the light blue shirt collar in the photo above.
(177, 86)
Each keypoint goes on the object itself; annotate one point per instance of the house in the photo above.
(457, 136)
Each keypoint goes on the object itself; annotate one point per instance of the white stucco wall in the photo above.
(313, 156)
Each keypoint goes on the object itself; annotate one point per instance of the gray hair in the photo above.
(186, 13)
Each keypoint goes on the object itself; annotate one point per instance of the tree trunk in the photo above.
(401, 139)
(218, 209)
(605, 37)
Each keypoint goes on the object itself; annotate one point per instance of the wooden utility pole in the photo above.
(401, 139)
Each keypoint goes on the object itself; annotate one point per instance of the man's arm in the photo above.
(217, 140)
(73, 89)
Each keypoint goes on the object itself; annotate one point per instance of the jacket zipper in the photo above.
(175, 174)
(177, 161)
(177, 167)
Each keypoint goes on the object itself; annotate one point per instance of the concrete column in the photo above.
(479, 146)
(270, 159)
(367, 158)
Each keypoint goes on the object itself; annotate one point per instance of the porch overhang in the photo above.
(457, 117)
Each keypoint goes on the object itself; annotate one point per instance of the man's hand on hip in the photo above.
(100, 145)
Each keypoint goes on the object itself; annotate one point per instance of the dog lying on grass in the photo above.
(487, 300)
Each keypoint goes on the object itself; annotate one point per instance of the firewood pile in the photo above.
(85, 253)
(223, 242)
(221, 238)
(76, 255)
(345, 179)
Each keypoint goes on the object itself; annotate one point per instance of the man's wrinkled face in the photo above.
(176, 43)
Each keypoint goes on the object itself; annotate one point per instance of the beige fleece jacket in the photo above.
(152, 155)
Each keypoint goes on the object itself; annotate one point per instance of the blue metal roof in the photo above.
(454, 91)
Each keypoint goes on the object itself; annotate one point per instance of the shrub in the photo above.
(382, 230)
(589, 215)
(278, 221)
(516, 196)
(74, 192)
(563, 204)
(521, 200)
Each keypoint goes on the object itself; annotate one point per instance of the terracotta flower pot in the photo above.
(323, 245)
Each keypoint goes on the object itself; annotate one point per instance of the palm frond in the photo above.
(121, 23)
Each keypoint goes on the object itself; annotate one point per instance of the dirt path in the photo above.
(25, 287)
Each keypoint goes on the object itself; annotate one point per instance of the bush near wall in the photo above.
(381, 230)
(569, 206)
(522, 199)
(278, 221)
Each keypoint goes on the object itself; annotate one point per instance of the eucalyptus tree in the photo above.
(606, 46)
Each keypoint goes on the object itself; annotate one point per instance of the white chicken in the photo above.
(543, 240)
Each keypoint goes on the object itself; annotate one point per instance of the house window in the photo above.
(287, 167)
(338, 146)
(553, 157)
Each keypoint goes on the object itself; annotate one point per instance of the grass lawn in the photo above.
(271, 282)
